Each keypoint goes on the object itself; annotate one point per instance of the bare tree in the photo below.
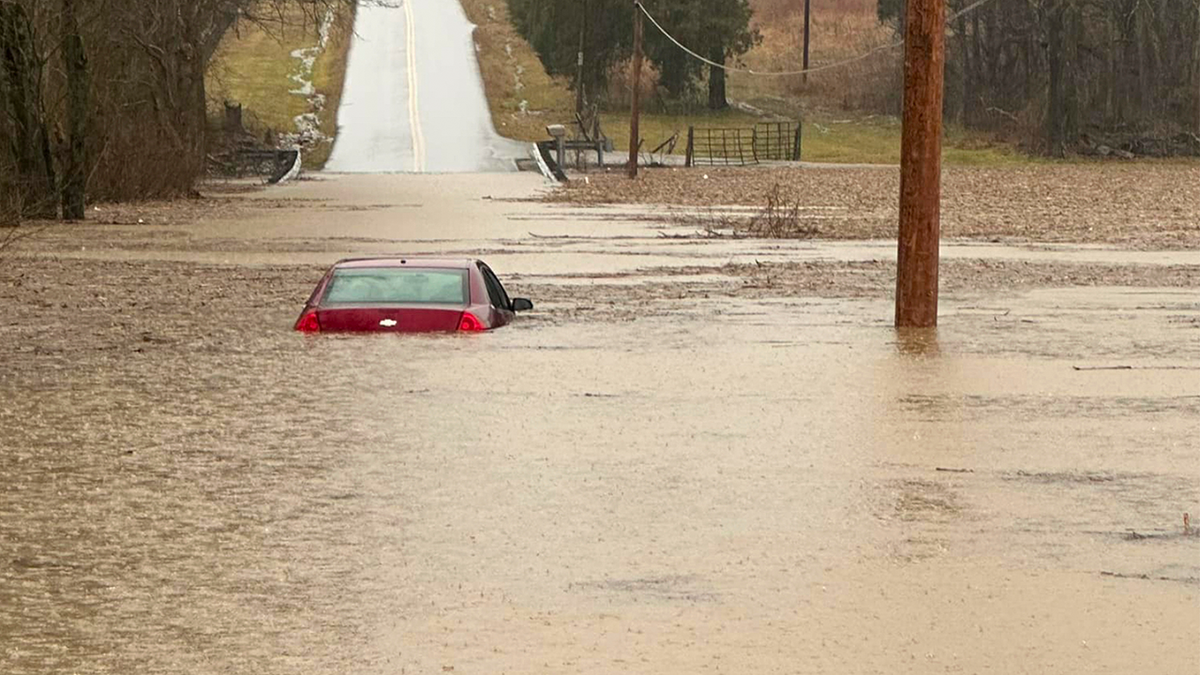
(27, 175)
(1126, 70)
(75, 152)
(125, 115)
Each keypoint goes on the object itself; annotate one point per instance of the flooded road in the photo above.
(627, 480)
(414, 99)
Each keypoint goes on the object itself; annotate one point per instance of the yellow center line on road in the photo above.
(414, 111)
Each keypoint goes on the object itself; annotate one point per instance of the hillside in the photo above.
(839, 31)
(258, 69)
(287, 78)
(524, 99)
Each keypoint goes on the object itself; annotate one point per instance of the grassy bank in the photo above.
(522, 97)
(835, 141)
(255, 66)
(877, 141)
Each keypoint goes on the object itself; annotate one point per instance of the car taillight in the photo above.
(308, 322)
(469, 323)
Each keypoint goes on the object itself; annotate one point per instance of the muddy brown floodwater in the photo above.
(677, 464)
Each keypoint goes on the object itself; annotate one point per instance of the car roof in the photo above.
(407, 261)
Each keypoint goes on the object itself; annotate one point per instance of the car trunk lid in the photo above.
(425, 319)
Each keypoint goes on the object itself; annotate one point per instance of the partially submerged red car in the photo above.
(408, 295)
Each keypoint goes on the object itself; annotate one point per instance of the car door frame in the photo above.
(501, 314)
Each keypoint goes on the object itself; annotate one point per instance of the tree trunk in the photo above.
(716, 84)
(1129, 83)
(1063, 34)
(192, 116)
(1072, 74)
(75, 157)
(35, 179)
(983, 80)
(1111, 83)
(967, 73)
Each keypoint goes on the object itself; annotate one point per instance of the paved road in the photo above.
(413, 100)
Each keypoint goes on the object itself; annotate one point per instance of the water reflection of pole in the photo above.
(918, 342)
(921, 164)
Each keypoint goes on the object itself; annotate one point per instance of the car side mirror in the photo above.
(521, 305)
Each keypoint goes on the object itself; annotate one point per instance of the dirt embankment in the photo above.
(1143, 206)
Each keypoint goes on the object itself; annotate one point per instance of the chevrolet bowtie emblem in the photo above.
(387, 323)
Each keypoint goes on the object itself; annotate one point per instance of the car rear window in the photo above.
(397, 285)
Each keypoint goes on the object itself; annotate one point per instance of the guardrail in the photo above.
(273, 165)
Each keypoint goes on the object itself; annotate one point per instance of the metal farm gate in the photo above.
(720, 146)
(741, 146)
(779, 141)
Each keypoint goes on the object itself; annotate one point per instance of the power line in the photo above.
(830, 66)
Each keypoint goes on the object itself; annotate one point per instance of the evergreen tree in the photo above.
(553, 28)
(718, 29)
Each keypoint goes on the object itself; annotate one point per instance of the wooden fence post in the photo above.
(233, 118)
(691, 147)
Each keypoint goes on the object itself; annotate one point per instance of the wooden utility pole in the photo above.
(807, 14)
(636, 82)
(921, 164)
(579, 97)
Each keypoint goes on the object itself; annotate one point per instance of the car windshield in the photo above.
(397, 285)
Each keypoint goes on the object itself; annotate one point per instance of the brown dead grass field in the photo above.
(840, 30)
(1146, 205)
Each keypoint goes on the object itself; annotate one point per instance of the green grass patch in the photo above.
(254, 67)
(877, 141)
(835, 141)
(656, 128)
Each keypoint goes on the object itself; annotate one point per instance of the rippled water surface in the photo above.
(780, 485)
